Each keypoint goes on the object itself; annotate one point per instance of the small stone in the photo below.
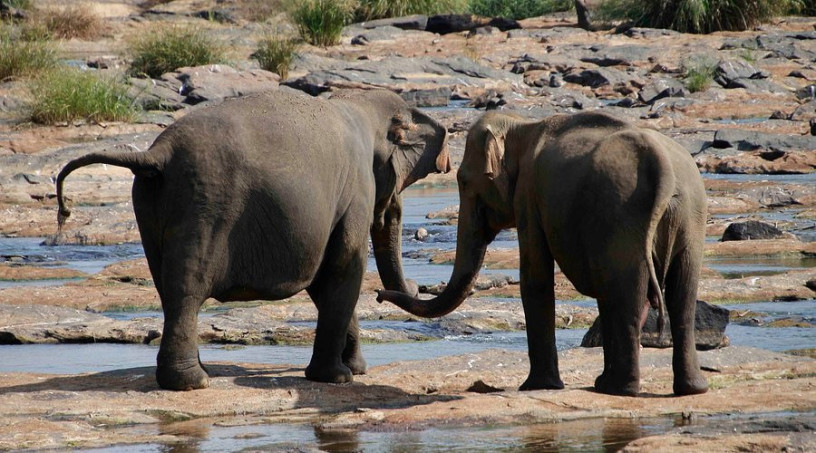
(481, 387)
(421, 234)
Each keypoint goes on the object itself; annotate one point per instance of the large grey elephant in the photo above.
(621, 209)
(264, 196)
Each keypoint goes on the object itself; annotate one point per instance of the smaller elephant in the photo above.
(263, 196)
(621, 209)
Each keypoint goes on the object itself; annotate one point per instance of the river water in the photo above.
(591, 435)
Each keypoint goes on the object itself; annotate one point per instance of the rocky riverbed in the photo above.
(750, 133)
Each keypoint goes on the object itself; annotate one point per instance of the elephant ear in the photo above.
(418, 147)
(494, 153)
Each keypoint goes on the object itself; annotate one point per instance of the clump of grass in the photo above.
(275, 54)
(699, 75)
(23, 55)
(320, 22)
(518, 9)
(168, 49)
(378, 9)
(72, 94)
(17, 4)
(695, 16)
(259, 10)
(72, 21)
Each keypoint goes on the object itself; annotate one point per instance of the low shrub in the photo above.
(518, 9)
(71, 94)
(378, 9)
(275, 54)
(23, 55)
(168, 49)
(695, 16)
(72, 21)
(699, 74)
(320, 22)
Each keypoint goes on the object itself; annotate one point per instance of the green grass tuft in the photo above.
(275, 54)
(168, 49)
(24, 55)
(518, 9)
(17, 4)
(320, 22)
(695, 16)
(699, 75)
(72, 94)
(378, 9)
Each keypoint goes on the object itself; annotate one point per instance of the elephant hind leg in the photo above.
(681, 303)
(621, 307)
(178, 363)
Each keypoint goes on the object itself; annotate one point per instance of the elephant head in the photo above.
(408, 145)
(486, 180)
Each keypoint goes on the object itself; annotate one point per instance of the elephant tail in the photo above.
(664, 180)
(140, 163)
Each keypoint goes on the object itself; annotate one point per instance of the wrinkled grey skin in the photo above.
(264, 196)
(622, 210)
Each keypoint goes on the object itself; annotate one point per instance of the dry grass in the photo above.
(73, 21)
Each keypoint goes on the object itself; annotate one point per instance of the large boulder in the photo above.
(217, 82)
(662, 88)
(710, 322)
(747, 140)
(454, 23)
(403, 74)
(752, 229)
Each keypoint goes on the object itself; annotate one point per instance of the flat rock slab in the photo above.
(40, 411)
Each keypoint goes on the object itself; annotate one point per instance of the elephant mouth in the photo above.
(443, 163)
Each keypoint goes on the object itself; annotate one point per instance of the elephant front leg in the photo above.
(538, 298)
(178, 363)
(352, 355)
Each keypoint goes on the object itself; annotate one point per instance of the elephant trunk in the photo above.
(473, 238)
(386, 237)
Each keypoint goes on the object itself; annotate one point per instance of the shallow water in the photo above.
(593, 435)
(585, 435)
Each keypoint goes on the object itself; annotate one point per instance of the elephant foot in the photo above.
(337, 374)
(539, 383)
(356, 364)
(692, 386)
(189, 378)
(622, 387)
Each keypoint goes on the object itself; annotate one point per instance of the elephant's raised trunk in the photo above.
(473, 237)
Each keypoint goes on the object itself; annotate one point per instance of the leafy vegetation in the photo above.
(699, 75)
(320, 22)
(275, 54)
(168, 49)
(24, 54)
(518, 9)
(378, 9)
(68, 95)
(695, 16)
